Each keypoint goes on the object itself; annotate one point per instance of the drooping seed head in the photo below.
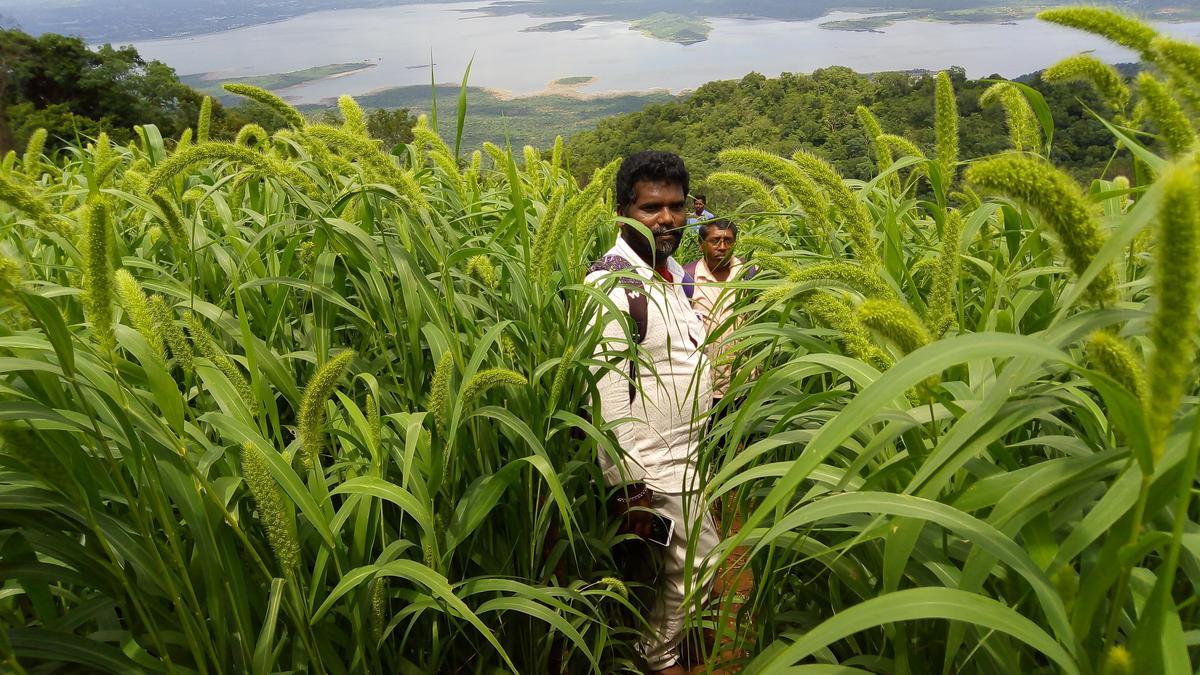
(439, 392)
(252, 136)
(588, 207)
(856, 218)
(1112, 356)
(1181, 60)
(481, 267)
(1023, 126)
(1087, 68)
(945, 127)
(165, 324)
(1062, 205)
(11, 277)
(747, 186)
(1166, 113)
(205, 122)
(171, 220)
(945, 278)
(866, 282)
(426, 137)
(213, 152)
(137, 308)
(353, 120)
(274, 511)
(616, 585)
(98, 273)
(1123, 29)
(883, 151)
(1177, 293)
(312, 404)
(484, 380)
(376, 164)
(856, 339)
(894, 322)
(287, 112)
(25, 201)
(749, 243)
(32, 161)
(785, 173)
(208, 348)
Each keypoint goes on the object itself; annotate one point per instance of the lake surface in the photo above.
(400, 40)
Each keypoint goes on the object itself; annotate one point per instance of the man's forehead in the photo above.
(643, 187)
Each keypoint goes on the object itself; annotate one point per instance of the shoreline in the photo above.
(571, 91)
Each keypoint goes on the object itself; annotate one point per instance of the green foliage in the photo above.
(57, 83)
(817, 113)
(1013, 495)
(1062, 205)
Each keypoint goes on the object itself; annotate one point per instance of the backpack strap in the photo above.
(689, 285)
(635, 297)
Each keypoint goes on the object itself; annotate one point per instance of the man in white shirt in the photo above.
(670, 392)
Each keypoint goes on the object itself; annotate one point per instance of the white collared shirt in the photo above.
(674, 383)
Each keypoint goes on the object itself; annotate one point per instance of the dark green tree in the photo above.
(393, 127)
(57, 82)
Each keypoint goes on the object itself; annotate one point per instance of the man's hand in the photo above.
(633, 504)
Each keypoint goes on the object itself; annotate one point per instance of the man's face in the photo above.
(699, 204)
(718, 248)
(662, 208)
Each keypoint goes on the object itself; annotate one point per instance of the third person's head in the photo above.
(717, 239)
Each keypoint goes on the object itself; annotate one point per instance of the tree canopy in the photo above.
(57, 82)
(817, 112)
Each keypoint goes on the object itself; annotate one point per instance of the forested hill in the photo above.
(817, 111)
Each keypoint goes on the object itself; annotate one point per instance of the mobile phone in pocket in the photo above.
(662, 529)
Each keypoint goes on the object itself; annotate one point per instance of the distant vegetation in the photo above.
(527, 120)
(56, 83)
(817, 112)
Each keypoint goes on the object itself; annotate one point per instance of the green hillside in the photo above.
(817, 112)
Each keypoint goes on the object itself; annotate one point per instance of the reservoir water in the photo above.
(400, 40)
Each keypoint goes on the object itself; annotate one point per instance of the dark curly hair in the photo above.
(648, 165)
(717, 224)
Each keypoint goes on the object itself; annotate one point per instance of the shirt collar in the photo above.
(703, 273)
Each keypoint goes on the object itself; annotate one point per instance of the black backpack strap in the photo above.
(635, 296)
(638, 312)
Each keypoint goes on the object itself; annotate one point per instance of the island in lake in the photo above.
(677, 28)
(556, 26)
